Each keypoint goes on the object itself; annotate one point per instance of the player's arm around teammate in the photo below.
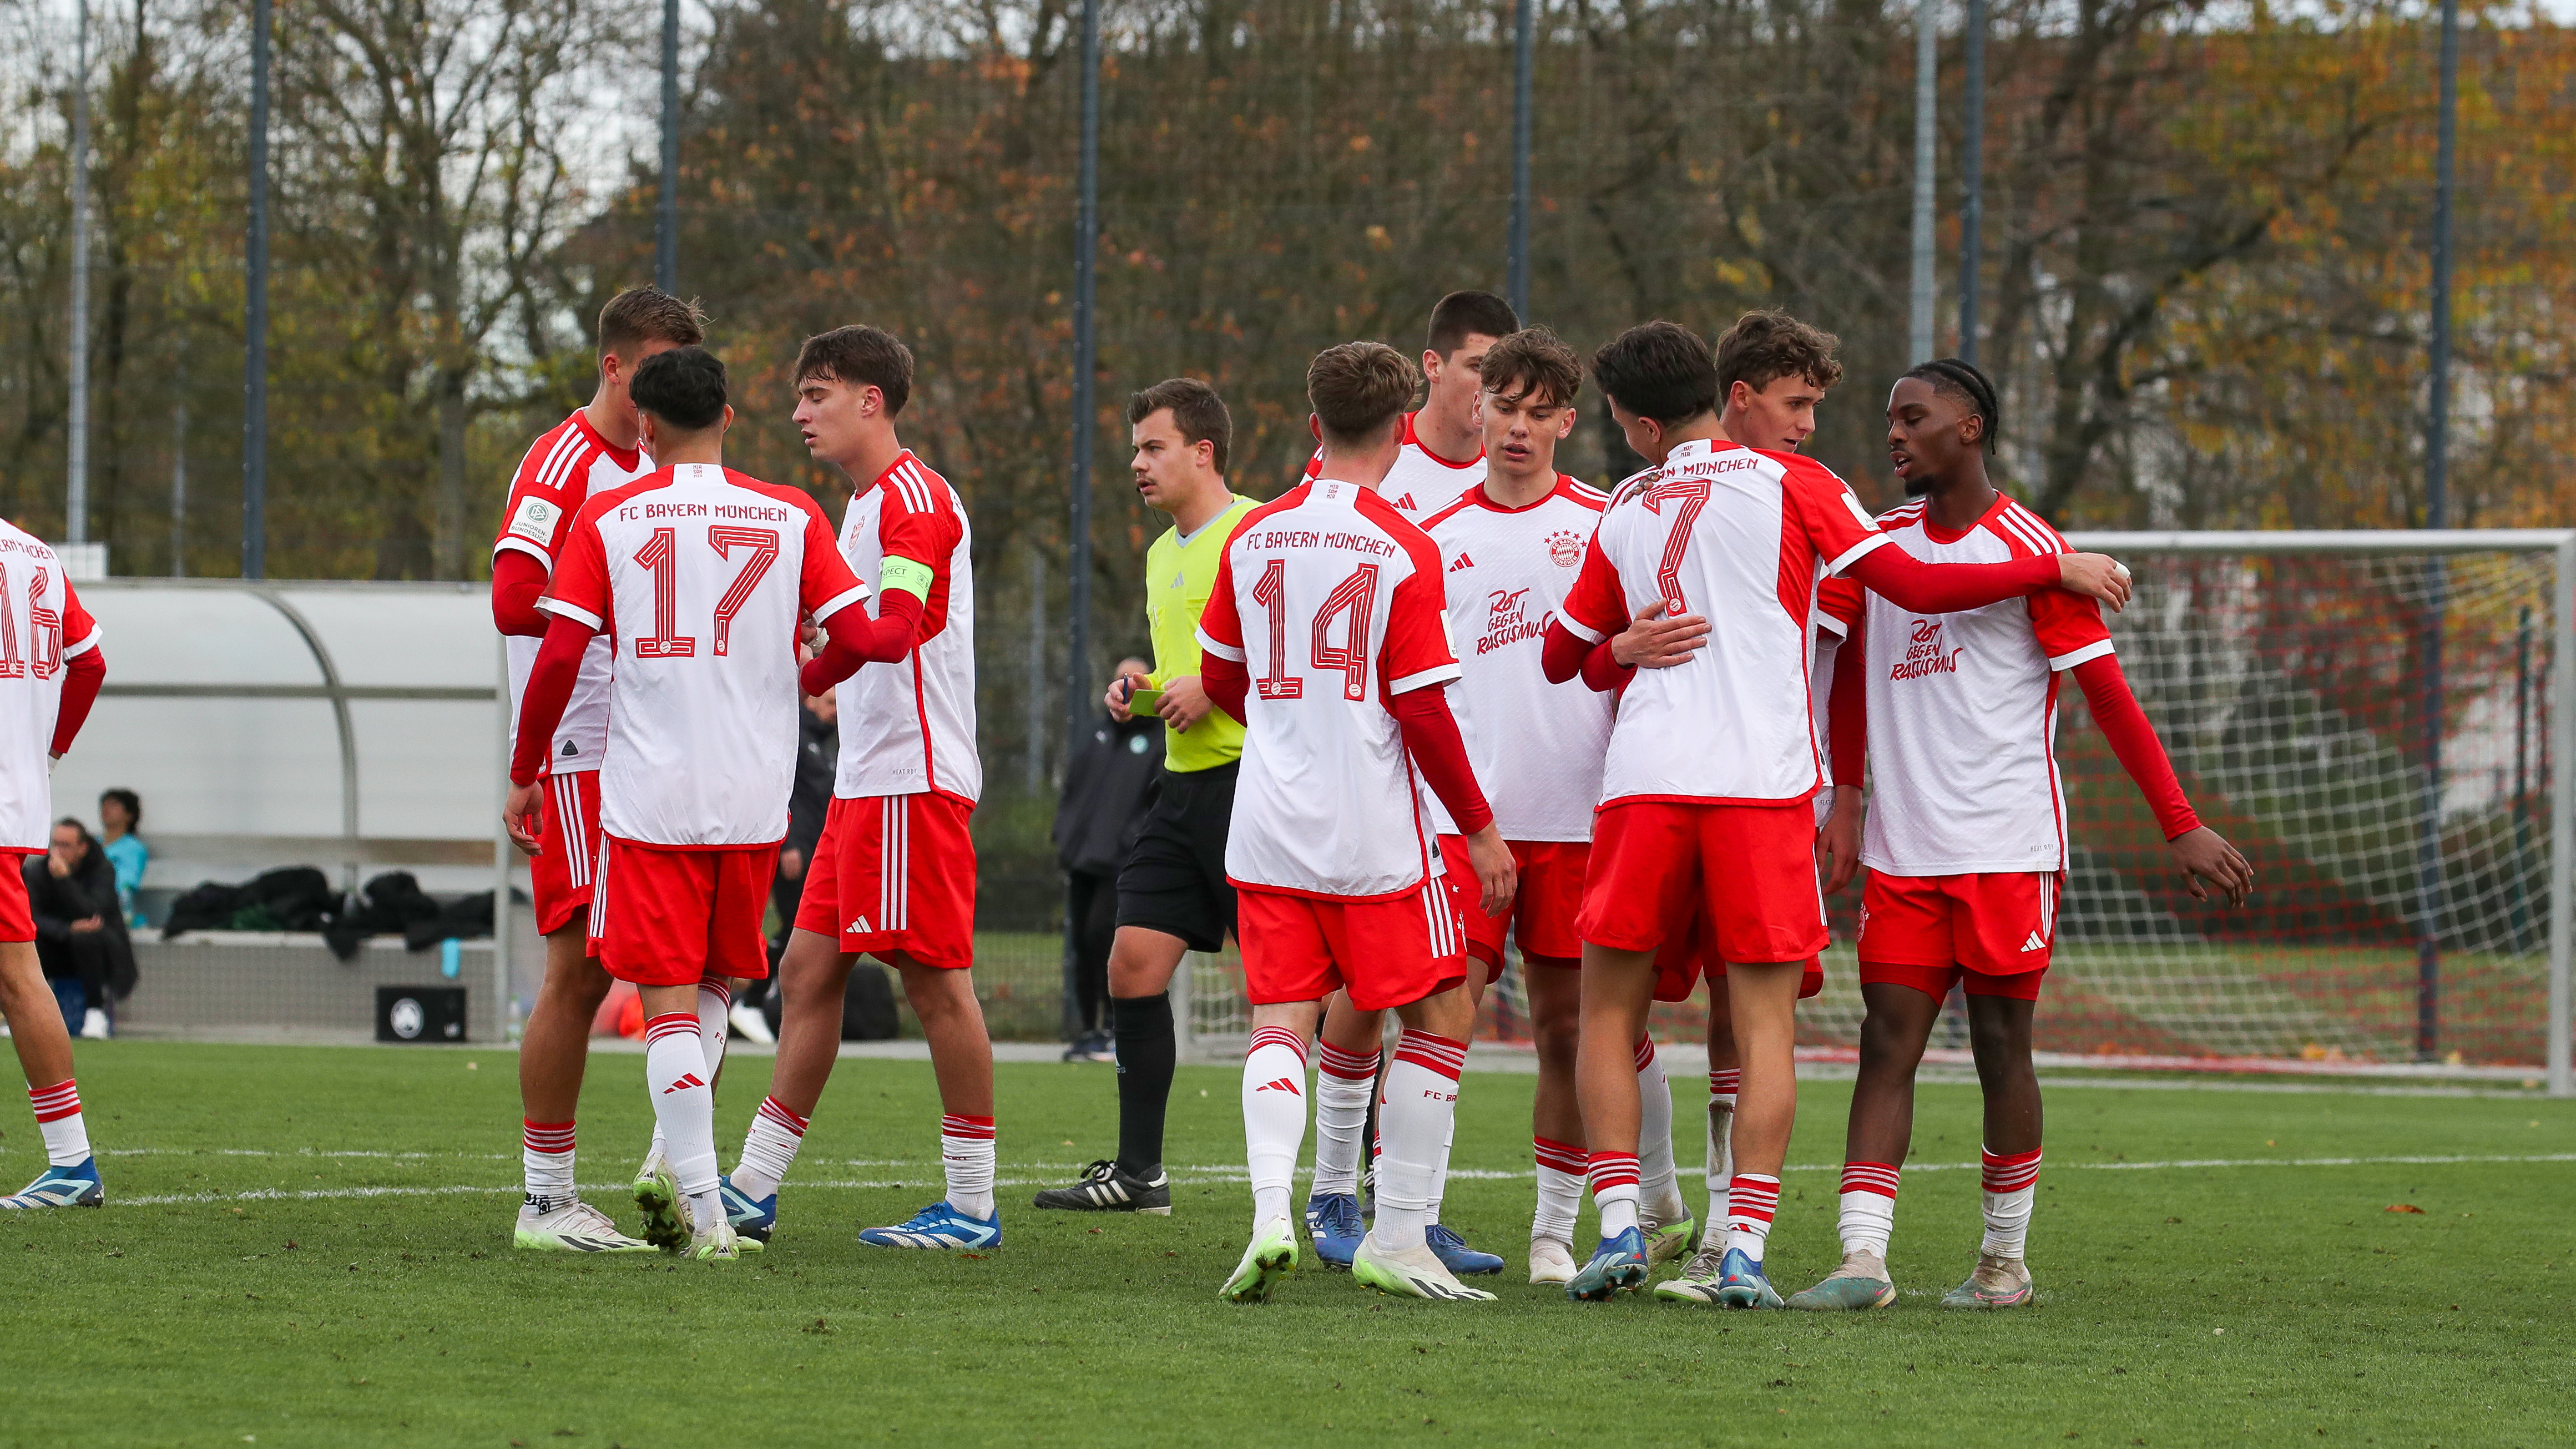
(1950, 902)
(1173, 896)
(597, 448)
(50, 692)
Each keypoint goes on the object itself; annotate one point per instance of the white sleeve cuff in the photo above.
(84, 646)
(1853, 554)
(1579, 629)
(856, 594)
(571, 611)
(1423, 680)
(2073, 657)
(1221, 651)
(1831, 625)
(510, 544)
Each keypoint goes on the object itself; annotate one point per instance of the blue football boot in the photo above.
(1333, 1222)
(74, 1186)
(1741, 1283)
(1456, 1256)
(938, 1226)
(753, 1218)
(1617, 1266)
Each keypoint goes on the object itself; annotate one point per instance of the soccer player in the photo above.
(50, 671)
(1443, 452)
(1772, 373)
(596, 449)
(1509, 550)
(1966, 837)
(1712, 763)
(1325, 636)
(1172, 892)
(894, 874)
(698, 576)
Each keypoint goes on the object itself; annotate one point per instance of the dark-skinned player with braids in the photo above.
(1965, 841)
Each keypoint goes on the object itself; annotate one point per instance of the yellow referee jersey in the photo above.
(1179, 575)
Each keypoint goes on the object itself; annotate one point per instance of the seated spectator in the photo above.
(120, 815)
(80, 936)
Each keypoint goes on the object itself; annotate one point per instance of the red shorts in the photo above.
(17, 920)
(1544, 905)
(1750, 869)
(1684, 958)
(895, 873)
(664, 916)
(568, 826)
(1385, 953)
(1993, 933)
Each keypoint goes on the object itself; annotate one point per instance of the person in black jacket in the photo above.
(1109, 784)
(80, 933)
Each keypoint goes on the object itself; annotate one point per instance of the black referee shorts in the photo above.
(1174, 880)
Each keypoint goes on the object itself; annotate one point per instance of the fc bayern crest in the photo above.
(1566, 547)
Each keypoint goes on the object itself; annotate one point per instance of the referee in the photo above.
(1172, 893)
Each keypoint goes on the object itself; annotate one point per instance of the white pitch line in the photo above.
(1237, 1175)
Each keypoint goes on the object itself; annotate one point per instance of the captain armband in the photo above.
(907, 575)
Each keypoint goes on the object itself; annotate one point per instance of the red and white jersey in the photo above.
(1963, 709)
(909, 725)
(42, 624)
(1739, 536)
(569, 465)
(1422, 482)
(698, 575)
(1536, 747)
(1332, 603)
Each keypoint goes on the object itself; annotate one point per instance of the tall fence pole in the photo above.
(255, 324)
(1927, 128)
(2560, 787)
(1524, 64)
(1086, 246)
(76, 492)
(2437, 429)
(1972, 175)
(666, 216)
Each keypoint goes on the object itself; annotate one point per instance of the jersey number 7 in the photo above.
(1355, 596)
(660, 555)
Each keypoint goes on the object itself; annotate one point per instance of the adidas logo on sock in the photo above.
(686, 1081)
(1279, 1084)
(2034, 943)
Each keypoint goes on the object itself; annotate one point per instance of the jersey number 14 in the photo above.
(1355, 596)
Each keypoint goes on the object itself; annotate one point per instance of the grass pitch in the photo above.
(309, 1246)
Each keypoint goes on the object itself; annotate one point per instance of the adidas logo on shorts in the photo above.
(2034, 943)
(860, 927)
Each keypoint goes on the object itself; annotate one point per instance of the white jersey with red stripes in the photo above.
(1332, 603)
(1536, 747)
(42, 625)
(1740, 536)
(909, 725)
(1963, 708)
(698, 575)
(568, 464)
(1422, 482)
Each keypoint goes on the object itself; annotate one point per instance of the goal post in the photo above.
(2411, 902)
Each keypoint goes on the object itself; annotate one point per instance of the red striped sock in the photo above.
(1724, 1082)
(1877, 1177)
(2008, 1173)
(966, 1153)
(769, 1149)
(1751, 1199)
(1868, 1216)
(546, 1159)
(58, 1118)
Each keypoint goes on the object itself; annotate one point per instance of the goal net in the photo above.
(2292, 677)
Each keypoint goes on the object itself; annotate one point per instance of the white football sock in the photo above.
(1614, 1191)
(675, 1071)
(1658, 1184)
(545, 1159)
(1561, 1170)
(2010, 1183)
(1274, 1118)
(1343, 1081)
(715, 1019)
(1750, 1201)
(1440, 1179)
(1414, 1116)
(1868, 1207)
(966, 1153)
(768, 1150)
(58, 1118)
(1719, 1168)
